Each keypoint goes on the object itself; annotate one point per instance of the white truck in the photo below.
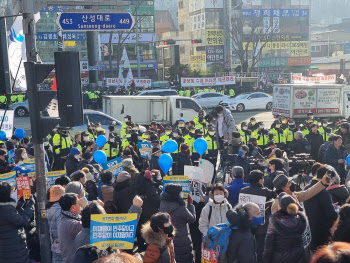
(143, 110)
(323, 100)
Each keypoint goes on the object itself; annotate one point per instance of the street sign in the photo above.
(95, 21)
(94, 68)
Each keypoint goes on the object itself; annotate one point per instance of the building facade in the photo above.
(171, 6)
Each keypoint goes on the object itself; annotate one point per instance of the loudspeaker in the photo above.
(69, 92)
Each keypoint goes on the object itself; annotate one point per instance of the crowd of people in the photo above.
(305, 214)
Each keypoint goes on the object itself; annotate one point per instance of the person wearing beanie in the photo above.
(72, 161)
(54, 217)
(128, 166)
(215, 210)
(86, 159)
(299, 144)
(182, 214)
(284, 239)
(106, 189)
(236, 182)
(241, 246)
(124, 192)
(78, 189)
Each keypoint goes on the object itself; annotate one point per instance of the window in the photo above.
(187, 104)
(208, 95)
(182, 28)
(254, 96)
(99, 118)
(315, 48)
(262, 95)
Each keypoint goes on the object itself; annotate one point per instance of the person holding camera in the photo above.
(320, 210)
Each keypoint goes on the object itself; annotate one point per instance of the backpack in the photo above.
(217, 239)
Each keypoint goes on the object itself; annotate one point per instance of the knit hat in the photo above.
(173, 189)
(148, 174)
(285, 200)
(123, 176)
(128, 163)
(87, 155)
(75, 187)
(74, 151)
(56, 191)
(281, 180)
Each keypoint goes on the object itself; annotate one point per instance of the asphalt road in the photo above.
(265, 116)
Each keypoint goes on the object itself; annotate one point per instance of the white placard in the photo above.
(7, 125)
(256, 199)
(208, 170)
(204, 82)
(328, 79)
(138, 82)
(195, 175)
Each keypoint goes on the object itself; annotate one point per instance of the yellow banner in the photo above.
(201, 58)
(214, 37)
(297, 48)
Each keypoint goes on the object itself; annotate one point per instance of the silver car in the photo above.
(21, 109)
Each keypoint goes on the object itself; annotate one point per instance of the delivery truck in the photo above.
(330, 101)
(143, 110)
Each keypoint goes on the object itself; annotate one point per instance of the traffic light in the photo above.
(169, 42)
(196, 41)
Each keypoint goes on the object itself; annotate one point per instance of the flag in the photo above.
(257, 49)
(124, 62)
(177, 78)
(54, 84)
(129, 77)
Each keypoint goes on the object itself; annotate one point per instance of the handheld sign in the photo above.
(95, 21)
(23, 187)
(145, 149)
(52, 176)
(256, 199)
(178, 179)
(195, 174)
(113, 230)
(115, 166)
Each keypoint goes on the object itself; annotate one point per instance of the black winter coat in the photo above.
(321, 214)
(315, 140)
(331, 157)
(300, 146)
(71, 165)
(181, 216)
(241, 247)
(13, 247)
(339, 193)
(284, 241)
(123, 195)
(182, 160)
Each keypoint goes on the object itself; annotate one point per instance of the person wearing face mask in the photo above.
(62, 144)
(167, 136)
(3, 160)
(245, 132)
(194, 155)
(159, 234)
(72, 161)
(253, 125)
(111, 148)
(276, 134)
(191, 130)
(125, 124)
(183, 158)
(240, 159)
(182, 127)
(261, 135)
(127, 138)
(224, 125)
(212, 150)
(241, 246)
(215, 210)
(21, 154)
(289, 132)
(324, 130)
(202, 124)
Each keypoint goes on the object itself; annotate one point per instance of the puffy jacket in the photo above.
(300, 146)
(71, 165)
(181, 216)
(12, 236)
(218, 215)
(331, 157)
(123, 195)
(54, 217)
(315, 140)
(284, 241)
(339, 193)
(233, 190)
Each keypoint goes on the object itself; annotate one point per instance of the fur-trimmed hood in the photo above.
(152, 237)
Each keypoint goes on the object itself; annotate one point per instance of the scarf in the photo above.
(72, 215)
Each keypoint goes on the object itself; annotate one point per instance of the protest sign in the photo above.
(208, 170)
(209, 256)
(145, 149)
(7, 125)
(29, 164)
(52, 176)
(23, 187)
(12, 155)
(9, 177)
(114, 230)
(195, 175)
(256, 199)
(115, 166)
(178, 179)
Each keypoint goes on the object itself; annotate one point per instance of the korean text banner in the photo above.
(145, 149)
(9, 177)
(215, 81)
(52, 176)
(139, 83)
(328, 79)
(178, 179)
(115, 166)
(7, 125)
(114, 230)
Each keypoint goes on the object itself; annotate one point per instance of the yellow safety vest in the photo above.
(110, 151)
(278, 137)
(61, 143)
(262, 139)
(245, 136)
(212, 144)
(325, 133)
(163, 139)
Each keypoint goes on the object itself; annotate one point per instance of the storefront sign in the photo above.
(328, 79)
(214, 37)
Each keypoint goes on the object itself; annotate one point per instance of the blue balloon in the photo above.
(20, 133)
(165, 162)
(101, 140)
(2, 136)
(169, 146)
(348, 159)
(100, 157)
(200, 145)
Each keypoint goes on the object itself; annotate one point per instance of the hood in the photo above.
(218, 206)
(152, 237)
(289, 225)
(168, 206)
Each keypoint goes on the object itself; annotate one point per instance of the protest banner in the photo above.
(115, 166)
(178, 179)
(52, 176)
(9, 177)
(208, 170)
(209, 256)
(256, 199)
(23, 187)
(195, 175)
(113, 230)
(7, 125)
(29, 164)
(145, 149)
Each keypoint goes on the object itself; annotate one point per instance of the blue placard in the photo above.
(9, 177)
(114, 230)
(95, 21)
(145, 149)
(115, 166)
(12, 156)
(178, 179)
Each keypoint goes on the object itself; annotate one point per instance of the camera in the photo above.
(258, 164)
(300, 163)
(330, 173)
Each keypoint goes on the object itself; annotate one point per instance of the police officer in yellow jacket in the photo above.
(194, 155)
(324, 130)
(62, 144)
(125, 124)
(261, 135)
(212, 150)
(276, 134)
(245, 133)
(167, 136)
(111, 148)
(290, 131)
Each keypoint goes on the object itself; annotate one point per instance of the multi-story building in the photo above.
(47, 40)
(170, 5)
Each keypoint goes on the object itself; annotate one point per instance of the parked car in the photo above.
(21, 109)
(157, 92)
(251, 101)
(160, 85)
(212, 99)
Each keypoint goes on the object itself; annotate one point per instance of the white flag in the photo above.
(129, 77)
(124, 62)
(257, 49)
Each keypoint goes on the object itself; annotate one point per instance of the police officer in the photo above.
(3, 101)
(284, 121)
(253, 125)
(324, 130)
(202, 124)
(261, 135)
(245, 133)
(146, 136)
(194, 155)
(127, 137)
(212, 150)
(201, 113)
(187, 93)
(127, 123)
(111, 148)
(276, 134)
(191, 132)
(181, 92)
(232, 92)
(167, 136)
(290, 131)
(62, 144)
(181, 125)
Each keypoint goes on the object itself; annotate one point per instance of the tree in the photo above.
(217, 69)
(176, 72)
(195, 73)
